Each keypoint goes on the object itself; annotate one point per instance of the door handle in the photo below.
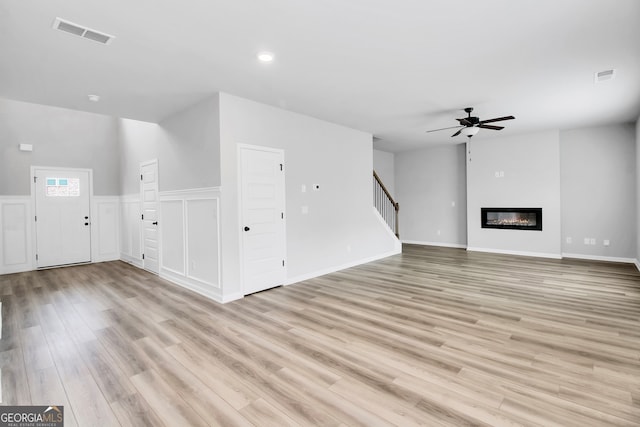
(155, 223)
(86, 223)
(86, 217)
(246, 228)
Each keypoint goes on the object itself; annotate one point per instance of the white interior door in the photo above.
(262, 215)
(149, 197)
(63, 224)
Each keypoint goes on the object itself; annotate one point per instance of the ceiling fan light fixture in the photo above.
(470, 131)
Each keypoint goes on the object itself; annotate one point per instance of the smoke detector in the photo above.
(82, 31)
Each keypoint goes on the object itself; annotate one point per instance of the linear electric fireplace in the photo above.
(512, 218)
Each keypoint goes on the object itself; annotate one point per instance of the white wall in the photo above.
(531, 178)
(598, 179)
(341, 227)
(637, 193)
(60, 138)
(186, 144)
(384, 165)
(431, 191)
(187, 147)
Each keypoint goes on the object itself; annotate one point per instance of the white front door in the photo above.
(63, 218)
(149, 196)
(262, 216)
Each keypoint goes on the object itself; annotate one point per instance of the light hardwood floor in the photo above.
(435, 336)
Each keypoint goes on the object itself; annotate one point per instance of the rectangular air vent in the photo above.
(605, 75)
(81, 31)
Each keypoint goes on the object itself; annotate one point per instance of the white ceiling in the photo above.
(394, 68)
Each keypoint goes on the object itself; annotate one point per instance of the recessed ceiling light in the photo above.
(94, 98)
(265, 56)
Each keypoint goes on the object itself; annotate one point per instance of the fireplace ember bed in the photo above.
(512, 218)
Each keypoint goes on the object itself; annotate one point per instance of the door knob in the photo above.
(155, 223)
(86, 217)
(246, 228)
(86, 223)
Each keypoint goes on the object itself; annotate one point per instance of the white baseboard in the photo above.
(519, 253)
(131, 260)
(308, 276)
(202, 289)
(602, 258)
(441, 244)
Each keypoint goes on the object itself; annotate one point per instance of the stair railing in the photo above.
(384, 203)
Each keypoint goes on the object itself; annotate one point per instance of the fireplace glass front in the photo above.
(512, 218)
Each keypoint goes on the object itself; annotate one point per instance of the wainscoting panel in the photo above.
(130, 230)
(16, 243)
(202, 240)
(190, 244)
(105, 227)
(172, 226)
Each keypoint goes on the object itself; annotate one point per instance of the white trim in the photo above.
(131, 260)
(97, 256)
(637, 263)
(601, 258)
(186, 278)
(27, 265)
(192, 285)
(441, 244)
(190, 194)
(329, 270)
(519, 253)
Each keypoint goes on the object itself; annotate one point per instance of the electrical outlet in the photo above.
(593, 241)
(606, 242)
(303, 188)
(569, 240)
(586, 240)
(305, 210)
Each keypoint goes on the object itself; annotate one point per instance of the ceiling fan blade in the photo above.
(465, 122)
(436, 130)
(497, 119)
(457, 133)
(491, 127)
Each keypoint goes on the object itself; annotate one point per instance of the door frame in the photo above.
(142, 246)
(34, 237)
(239, 149)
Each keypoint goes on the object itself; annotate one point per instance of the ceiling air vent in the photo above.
(603, 76)
(80, 31)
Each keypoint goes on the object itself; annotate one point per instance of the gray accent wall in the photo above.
(60, 138)
(598, 177)
(431, 191)
(515, 171)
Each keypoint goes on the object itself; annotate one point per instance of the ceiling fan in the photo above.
(470, 126)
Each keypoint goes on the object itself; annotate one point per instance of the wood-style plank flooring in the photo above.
(435, 337)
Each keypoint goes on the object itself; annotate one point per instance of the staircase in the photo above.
(384, 203)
